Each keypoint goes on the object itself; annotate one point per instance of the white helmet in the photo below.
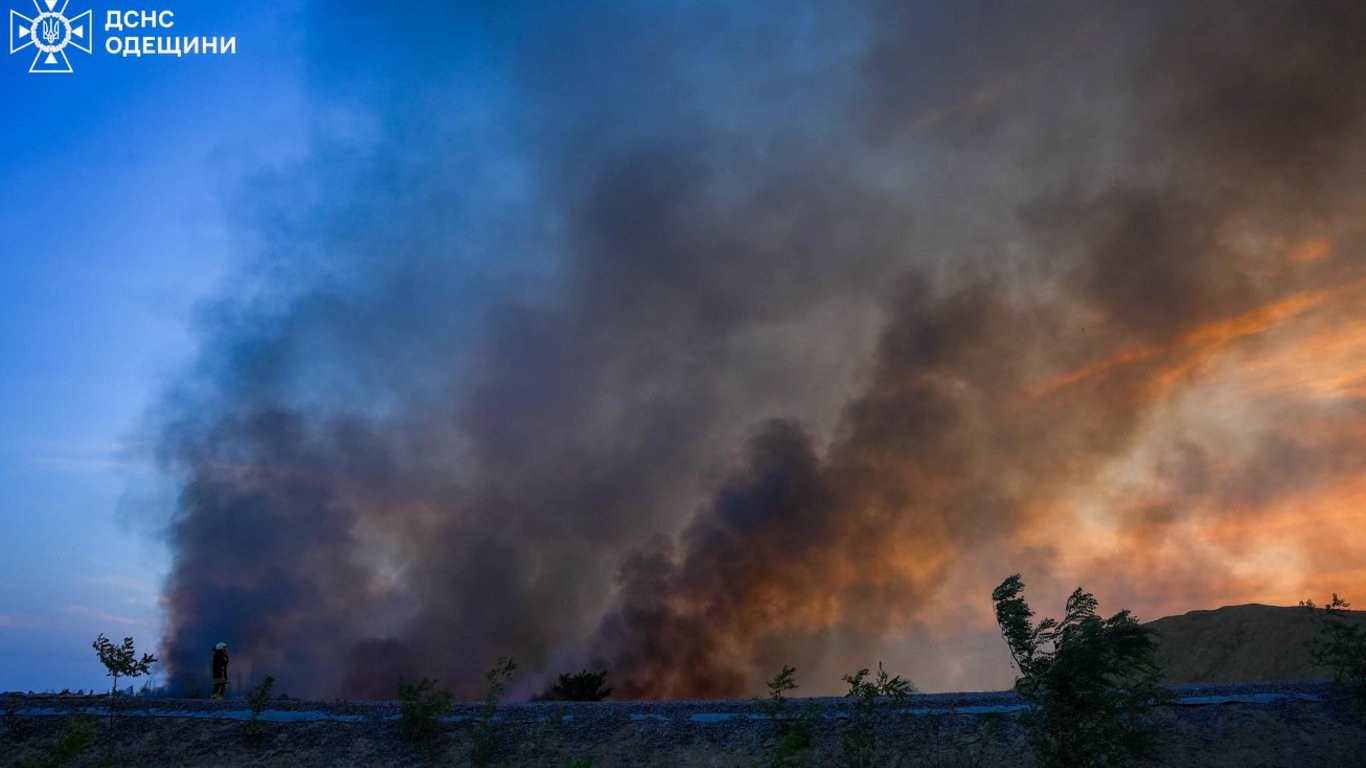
(220, 647)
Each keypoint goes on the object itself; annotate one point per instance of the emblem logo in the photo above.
(50, 32)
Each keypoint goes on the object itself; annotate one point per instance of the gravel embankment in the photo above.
(682, 710)
(1235, 724)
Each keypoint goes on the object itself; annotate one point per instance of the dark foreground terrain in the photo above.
(1238, 726)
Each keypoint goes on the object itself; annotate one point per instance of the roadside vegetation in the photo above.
(483, 736)
(867, 698)
(581, 686)
(1340, 646)
(77, 736)
(792, 729)
(1090, 682)
(421, 707)
(258, 699)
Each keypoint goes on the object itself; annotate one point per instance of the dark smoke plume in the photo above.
(691, 340)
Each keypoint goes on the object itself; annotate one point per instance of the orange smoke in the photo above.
(1311, 251)
(1207, 339)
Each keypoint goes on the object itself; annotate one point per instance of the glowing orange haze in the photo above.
(1258, 526)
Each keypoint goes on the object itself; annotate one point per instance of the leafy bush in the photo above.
(483, 743)
(579, 762)
(793, 729)
(581, 686)
(1089, 681)
(78, 733)
(258, 699)
(421, 707)
(1341, 647)
(865, 699)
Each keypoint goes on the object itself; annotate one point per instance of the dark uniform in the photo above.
(220, 672)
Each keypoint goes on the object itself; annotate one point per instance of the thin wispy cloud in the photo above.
(86, 612)
(17, 621)
(120, 582)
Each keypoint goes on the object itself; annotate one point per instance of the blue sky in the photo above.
(113, 190)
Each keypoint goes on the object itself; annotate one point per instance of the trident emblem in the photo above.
(51, 32)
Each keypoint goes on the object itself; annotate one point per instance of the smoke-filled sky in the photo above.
(691, 339)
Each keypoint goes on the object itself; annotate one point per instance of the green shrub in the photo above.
(483, 741)
(1341, 647)
(792, 729)
(1089, 681)
(421, 707)
(866, 698)
(78, 733)
(258, 699)
(581, 686)
(579, 762)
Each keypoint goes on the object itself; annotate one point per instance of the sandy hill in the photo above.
(1240, 643)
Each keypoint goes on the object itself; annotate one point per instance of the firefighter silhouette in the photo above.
(220, 670)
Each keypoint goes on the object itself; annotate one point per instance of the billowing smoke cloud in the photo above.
(693, 340)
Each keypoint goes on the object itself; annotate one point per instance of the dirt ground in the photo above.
(1283, 735)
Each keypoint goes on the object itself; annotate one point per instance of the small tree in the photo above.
(793, 729)
(423, 705)
(866, 698)
(484, 747)
(258, 699)
(1341, 647)
(120, 661)
(581, 686)
(1089, 681)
